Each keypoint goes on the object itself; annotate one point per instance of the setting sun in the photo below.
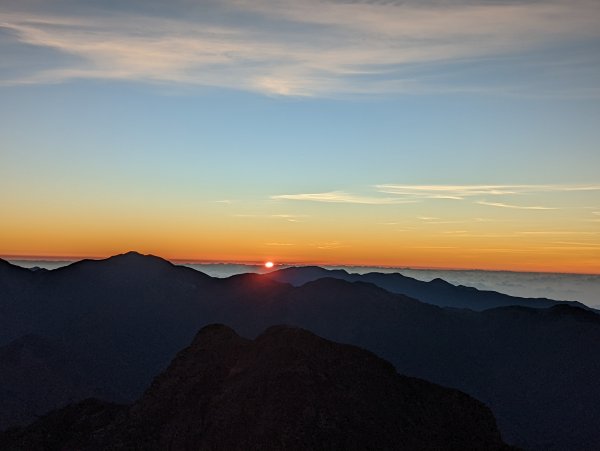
(268, 265)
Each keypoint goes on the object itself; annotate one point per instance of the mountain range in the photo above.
(116, 323)
(436, 292)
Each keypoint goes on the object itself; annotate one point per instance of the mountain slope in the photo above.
(287, 389)
(37, 375)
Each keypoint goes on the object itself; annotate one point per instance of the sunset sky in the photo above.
(447, 134)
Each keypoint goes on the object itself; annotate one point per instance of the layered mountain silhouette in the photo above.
(436, 292)
(287, 389)
(124, 318)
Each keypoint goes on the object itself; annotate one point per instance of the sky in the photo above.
(438, 134)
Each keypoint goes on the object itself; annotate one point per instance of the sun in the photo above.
(269, 265)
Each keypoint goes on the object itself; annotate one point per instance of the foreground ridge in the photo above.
(287, 389)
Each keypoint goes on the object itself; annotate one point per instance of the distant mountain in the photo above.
(437, 292)
(287, 389)
(131, 313)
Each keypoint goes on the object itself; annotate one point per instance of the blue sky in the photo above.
(261, 108)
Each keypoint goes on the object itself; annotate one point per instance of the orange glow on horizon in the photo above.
(502, 241)
(506, 264)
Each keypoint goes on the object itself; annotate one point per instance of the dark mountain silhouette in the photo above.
(437, 291)
(125, 317)
(15, 285)
(132, 311)
(38, 375)
(69, 428)
(287, 389)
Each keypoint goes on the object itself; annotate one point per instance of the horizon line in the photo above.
(74, 259)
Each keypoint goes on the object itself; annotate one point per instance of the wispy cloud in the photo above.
(405, 194)
(287, 217)
(444, 222)
(459, 192)
(502, 250)
(432, 220)
(577, 243)
(291, 218)
(486, 235)
(279, 244)
(342, 197)
(431, 247)
(588, 247)
(518, 207)
(300, 48)
(556, 232)
(328, 245)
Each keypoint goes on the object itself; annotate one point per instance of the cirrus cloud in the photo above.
(342, 197)
(459, 192)
(308, 48)
(518, 207)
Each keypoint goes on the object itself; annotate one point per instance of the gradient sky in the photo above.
(449, 134)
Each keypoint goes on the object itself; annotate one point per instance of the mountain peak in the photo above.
(136, 259)
(214, 333)
(312, 269)
(441, 282)
(290, 388)
(134, 255)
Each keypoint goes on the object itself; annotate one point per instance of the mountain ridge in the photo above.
(286, 389)
(437, 291)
